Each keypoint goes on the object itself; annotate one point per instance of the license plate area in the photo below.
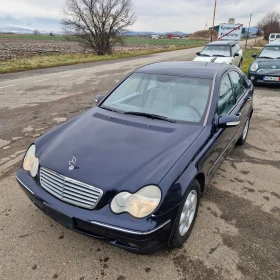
(59, 216)
(273, 79)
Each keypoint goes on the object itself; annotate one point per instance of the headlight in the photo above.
(254, 66)
(30, 162)
(139, 204)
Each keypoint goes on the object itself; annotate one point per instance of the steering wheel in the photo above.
(194, 109)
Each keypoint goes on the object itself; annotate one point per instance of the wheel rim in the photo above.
(188, 212)
(246, 128)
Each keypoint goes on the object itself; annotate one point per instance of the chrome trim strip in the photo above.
(130, 231)
(233, 123)
(219, 157)
(24, 185)
(210, 100)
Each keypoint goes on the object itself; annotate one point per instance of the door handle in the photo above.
(239, 114)
(249, 99)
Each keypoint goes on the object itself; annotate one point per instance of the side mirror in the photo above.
(236, 54)
(254, 55)
(198, 53)
(228, 121)
(98, 98)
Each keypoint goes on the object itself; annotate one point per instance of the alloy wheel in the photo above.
(188, 212)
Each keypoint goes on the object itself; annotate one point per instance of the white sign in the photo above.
(230, 31)
(231, 21)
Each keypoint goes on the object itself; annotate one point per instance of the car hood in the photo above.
(268, 63)
(118, 152)
(214, 59)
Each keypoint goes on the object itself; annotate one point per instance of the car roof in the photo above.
(222, 43)
(193, 69)
(276, 44)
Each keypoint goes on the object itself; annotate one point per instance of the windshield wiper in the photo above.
(203, 54)
(151, 116)
(221, 55)
(266, 57)
(109, 109)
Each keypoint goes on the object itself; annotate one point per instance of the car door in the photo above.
(222, 139)
(243, 98)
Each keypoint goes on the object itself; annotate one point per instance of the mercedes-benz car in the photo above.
(132, 169)
(266, 67)
(228, 52)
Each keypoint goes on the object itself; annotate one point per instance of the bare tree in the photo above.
(99, 24)
(270, 24)
(36, 32)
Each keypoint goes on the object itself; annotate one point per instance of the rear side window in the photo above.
(226, 97)
(238, 84)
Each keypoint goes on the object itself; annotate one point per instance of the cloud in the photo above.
(32, 8)
(160, 15)
(189, 15)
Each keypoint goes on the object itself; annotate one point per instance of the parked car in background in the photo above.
(131, 170)
(274, 37)
(266, 67)
(228, 52)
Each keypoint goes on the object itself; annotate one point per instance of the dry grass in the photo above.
(47, 61)
(248, 59)
(261, 43)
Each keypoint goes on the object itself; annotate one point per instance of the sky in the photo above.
(160, 15)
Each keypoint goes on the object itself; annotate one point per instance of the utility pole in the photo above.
(248, 31)
(213, 20)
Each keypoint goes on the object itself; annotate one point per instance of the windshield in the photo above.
(169, 97)
(270, 51)
(216, 50)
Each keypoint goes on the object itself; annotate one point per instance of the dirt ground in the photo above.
(19, 49)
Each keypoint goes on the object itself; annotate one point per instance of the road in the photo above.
(237, 232)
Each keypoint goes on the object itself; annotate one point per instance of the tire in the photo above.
(241, 141)
(181, 231)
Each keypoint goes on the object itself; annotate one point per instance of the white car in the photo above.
(228, 52)
(274, 37)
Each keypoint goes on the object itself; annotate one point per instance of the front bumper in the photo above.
(78, 219)
(257, 78)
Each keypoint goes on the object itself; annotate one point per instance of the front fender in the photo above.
(189, 166)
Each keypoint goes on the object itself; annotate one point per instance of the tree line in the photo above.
(100, 24)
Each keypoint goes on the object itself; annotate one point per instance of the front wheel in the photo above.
(242, 139)
(186, 215)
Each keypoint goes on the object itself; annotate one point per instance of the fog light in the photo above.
(252, 78)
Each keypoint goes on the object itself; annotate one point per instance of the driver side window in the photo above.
(238, 84)
(226, 97)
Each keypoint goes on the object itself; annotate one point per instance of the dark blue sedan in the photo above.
(131, 170)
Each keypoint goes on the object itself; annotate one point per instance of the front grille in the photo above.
(69, 190)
